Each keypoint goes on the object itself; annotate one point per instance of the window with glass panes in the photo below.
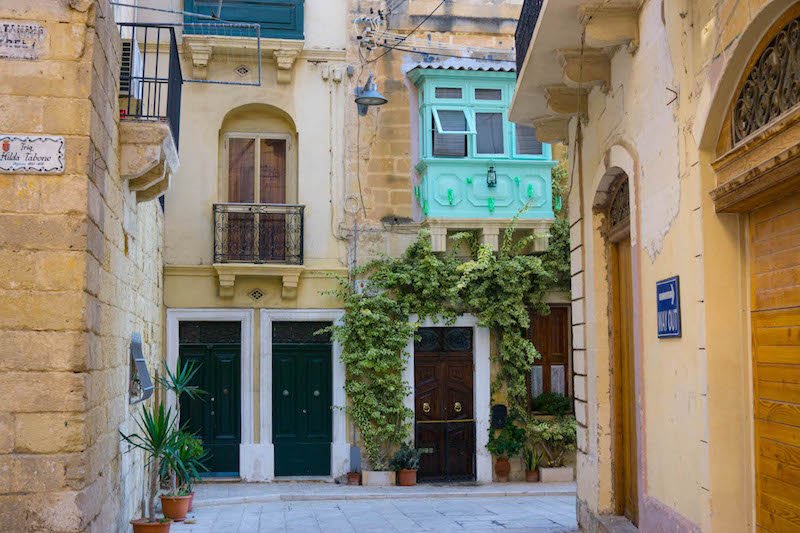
(466, 116)
(550, 334)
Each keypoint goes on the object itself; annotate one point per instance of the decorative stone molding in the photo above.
(760, 169)
(490, 231)
(611, 25)
(552, 130)
(201, 49)
(564, 100)
(148, 157)
(228, 272)
(589, 65)
(285, 61)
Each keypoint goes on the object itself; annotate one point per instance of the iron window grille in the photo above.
(258, 233)
(528, 18)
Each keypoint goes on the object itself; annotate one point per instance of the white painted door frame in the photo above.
(481, 393)
(340, 449)
(245, 316)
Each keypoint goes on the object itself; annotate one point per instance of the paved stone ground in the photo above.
(534, 514)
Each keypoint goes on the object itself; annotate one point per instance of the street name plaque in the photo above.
(31, 154)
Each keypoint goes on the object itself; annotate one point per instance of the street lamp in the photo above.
(368, 96)
(491, 178)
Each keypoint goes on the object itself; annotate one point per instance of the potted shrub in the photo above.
(552, 403)
(406, 463)
(354, 478)
(533, 458)
(182, 463)
(503, 444)
(156, 438)
(556, 436)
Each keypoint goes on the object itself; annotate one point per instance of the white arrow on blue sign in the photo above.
(668, 305)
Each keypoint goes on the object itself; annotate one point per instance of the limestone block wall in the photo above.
(81, 271)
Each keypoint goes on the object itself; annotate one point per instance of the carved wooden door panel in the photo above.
(444, 411)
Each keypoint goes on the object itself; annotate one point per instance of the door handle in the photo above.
(457, 407)
(304, 411)
(212, 398)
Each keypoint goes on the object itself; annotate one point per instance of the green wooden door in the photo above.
(301, 409)
(216, 417)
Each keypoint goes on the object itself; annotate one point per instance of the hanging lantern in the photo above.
(491, 178)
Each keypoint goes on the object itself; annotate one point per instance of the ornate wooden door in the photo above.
(444, 410)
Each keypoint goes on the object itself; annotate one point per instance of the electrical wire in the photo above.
(445, 55)
(409, 34)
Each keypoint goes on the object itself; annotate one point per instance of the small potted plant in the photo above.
(406, 463)
(556, 436)
(533, 458)
(156, 438)
(354, 478)
(180, 466)
(503, 444)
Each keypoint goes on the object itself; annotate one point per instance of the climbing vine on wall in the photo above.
(498, 288)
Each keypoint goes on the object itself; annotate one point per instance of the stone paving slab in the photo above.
(209, 494)
(530, 514)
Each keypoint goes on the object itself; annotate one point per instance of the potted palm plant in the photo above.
(503, 444)
(156, 438)
(176, 503)
(533, 458)
(406, 463)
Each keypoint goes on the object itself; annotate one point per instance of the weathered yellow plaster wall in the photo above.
(81, 265)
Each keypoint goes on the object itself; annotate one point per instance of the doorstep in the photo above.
(211, 494)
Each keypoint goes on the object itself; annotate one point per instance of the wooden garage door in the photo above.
(775, 286)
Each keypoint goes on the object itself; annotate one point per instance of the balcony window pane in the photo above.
(241, 170)
(488, 94)
(526, 141)
(450, 142)
(448, 93)
(273, 171)
(489, 127)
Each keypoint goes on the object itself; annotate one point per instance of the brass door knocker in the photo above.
(457, 407)
(426, 407)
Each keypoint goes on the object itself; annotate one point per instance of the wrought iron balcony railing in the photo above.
(258, 233)
(528, 18)
(150, 75)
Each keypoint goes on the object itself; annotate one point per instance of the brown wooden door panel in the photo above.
(443, 386)
(775, 305)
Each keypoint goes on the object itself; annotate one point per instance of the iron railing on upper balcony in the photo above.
(150, 75)
(528, 18)
(258, 233)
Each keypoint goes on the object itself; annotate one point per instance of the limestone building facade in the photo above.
(680, 119)
(81, 269)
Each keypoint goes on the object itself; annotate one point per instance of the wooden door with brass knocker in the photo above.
(444, 421)
(215, 417)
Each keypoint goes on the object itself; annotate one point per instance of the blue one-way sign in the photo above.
(668, 305)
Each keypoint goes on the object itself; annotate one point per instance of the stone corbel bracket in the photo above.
(200, 53)
(564, 100)
(490, 231)
(552, 130)
(284, 59)
(148, 157)
(611, 25)
(228, 272)
(588, 66)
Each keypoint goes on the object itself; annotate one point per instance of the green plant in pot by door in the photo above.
(180, 466)
(533, 458)
(556, 436)
(156, 438)
(406, 463)
(503, 444)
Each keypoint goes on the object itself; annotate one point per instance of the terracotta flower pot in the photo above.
(406, 478)
(175, 507)
(531, 476)
(502, 468)
(143, 525)
(354, 478)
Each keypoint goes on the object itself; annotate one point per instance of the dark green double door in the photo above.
(216, 416)
(301, 408)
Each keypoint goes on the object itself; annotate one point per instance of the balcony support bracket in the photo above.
(289, 276)
(148, 157)
(589, 65)
(491, 231)
(553, 129)
(612, 25)
(564, 100)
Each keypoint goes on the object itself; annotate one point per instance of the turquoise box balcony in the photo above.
(478, 170)
(279, 19)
